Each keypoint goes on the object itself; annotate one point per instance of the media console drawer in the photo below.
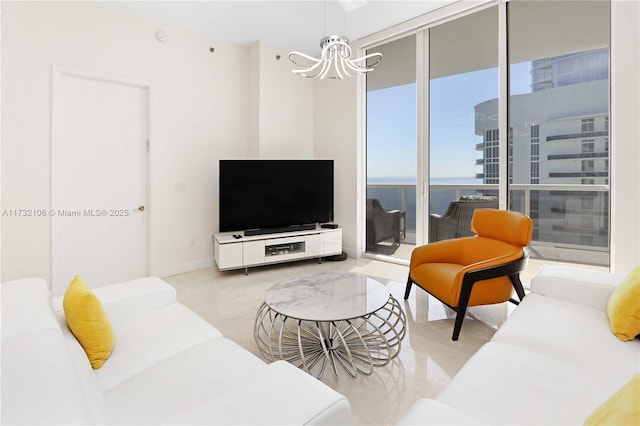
(229, 256)
(235, 253)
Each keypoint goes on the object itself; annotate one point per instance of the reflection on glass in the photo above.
(463, 139)
(559, 125)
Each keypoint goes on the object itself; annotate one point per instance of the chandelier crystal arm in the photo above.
(345, 69)
(292, 58)
(308, 69)
(366, 68)
(326, 67)
(335, 61)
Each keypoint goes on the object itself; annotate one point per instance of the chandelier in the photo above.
(335, 62)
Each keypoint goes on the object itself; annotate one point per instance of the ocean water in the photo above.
(461, 180)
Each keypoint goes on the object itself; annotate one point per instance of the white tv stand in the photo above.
(255, 250)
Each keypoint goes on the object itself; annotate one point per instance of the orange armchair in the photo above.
(478, 270)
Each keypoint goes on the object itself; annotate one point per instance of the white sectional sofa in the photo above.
(167, 366)
(554, 360)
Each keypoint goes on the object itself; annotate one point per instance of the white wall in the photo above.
(335, 137)
(625, 135)
(254, 101)
(281, 105)
(199, 110)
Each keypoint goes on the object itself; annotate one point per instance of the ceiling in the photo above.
(297, 25)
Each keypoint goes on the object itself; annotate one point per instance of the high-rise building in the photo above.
(565, 70)
(558, 135)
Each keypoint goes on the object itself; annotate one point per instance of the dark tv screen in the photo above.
(266, 194)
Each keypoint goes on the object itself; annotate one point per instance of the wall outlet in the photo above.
(193, 242)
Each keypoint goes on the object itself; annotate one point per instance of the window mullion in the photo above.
(503, 97)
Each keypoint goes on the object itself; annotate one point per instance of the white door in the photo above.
(99, 179)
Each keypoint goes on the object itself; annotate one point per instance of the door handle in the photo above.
(139, 209)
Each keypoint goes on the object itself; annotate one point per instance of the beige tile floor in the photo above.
(428, 357)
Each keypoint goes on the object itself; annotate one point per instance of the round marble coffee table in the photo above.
(344, 320)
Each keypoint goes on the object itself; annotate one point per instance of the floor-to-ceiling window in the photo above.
(463, 139)
(391, 150)
(548, 159)
(559, 125)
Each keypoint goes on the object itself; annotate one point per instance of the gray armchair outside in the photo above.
(383, 225)
(456, 221)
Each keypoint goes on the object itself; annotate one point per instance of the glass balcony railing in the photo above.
(571, 222)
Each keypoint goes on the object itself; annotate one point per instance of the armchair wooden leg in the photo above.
(465, 294)
(458, 324)
(408, 288)
(517, 285)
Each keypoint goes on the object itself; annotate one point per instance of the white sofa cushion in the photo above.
(180, 383)
(39, 382)
(574, 334)
(126, 301)
(26, 307)
(552, 362)
(94, 397)
(279, 394)
(151, 338)
(509, 384)
(585, 287)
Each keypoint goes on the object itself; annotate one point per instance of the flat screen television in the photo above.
(266, 196)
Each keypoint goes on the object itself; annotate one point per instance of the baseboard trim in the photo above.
(350, 252)
(181, 268)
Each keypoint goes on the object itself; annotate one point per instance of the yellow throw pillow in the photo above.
(88, 321)
(623, 308)
(623, 408)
